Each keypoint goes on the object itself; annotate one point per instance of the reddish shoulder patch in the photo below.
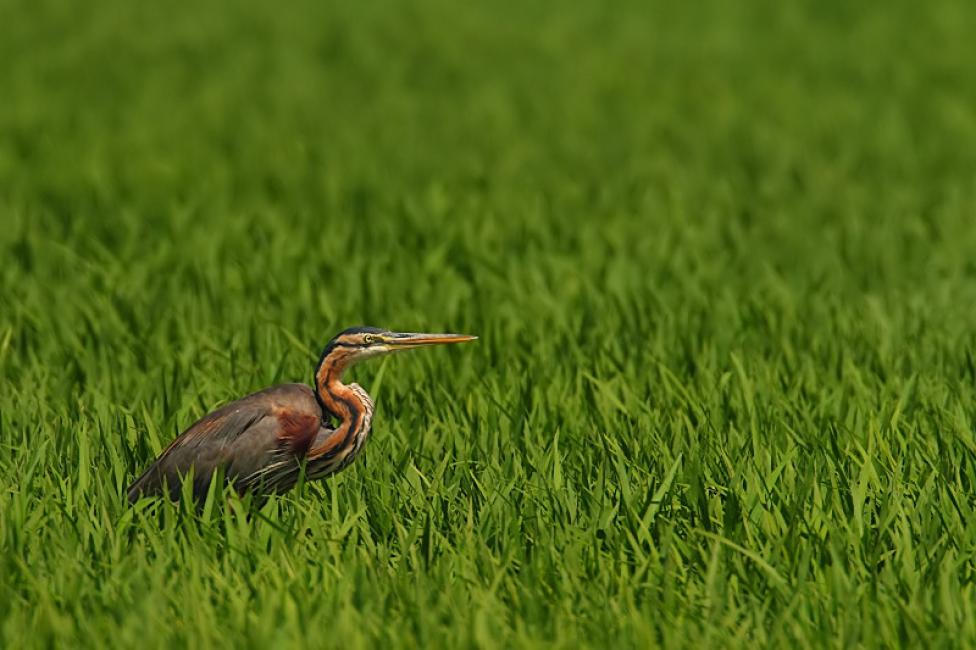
(297, 429)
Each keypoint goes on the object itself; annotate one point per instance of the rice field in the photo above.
(721, 258)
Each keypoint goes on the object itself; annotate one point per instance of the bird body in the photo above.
(261, 442)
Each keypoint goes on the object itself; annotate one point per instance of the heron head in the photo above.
(360, 343)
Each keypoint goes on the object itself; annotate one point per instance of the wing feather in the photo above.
(242, 437)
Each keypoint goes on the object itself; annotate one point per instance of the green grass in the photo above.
(722, 261)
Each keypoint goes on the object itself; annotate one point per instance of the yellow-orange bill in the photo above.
(411, 339)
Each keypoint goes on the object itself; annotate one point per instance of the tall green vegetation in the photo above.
(720, 257)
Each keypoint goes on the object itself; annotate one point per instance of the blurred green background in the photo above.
(720, 257)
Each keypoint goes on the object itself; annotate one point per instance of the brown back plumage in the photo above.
(272, 425)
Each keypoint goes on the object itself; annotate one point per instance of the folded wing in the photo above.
(259, 438)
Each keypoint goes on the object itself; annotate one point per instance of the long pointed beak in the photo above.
(407, 340)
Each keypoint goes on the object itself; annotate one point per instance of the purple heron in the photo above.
(262, 442)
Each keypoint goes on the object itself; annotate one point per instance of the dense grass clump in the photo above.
(721, 257)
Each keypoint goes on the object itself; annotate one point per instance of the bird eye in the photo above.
(368, 339)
